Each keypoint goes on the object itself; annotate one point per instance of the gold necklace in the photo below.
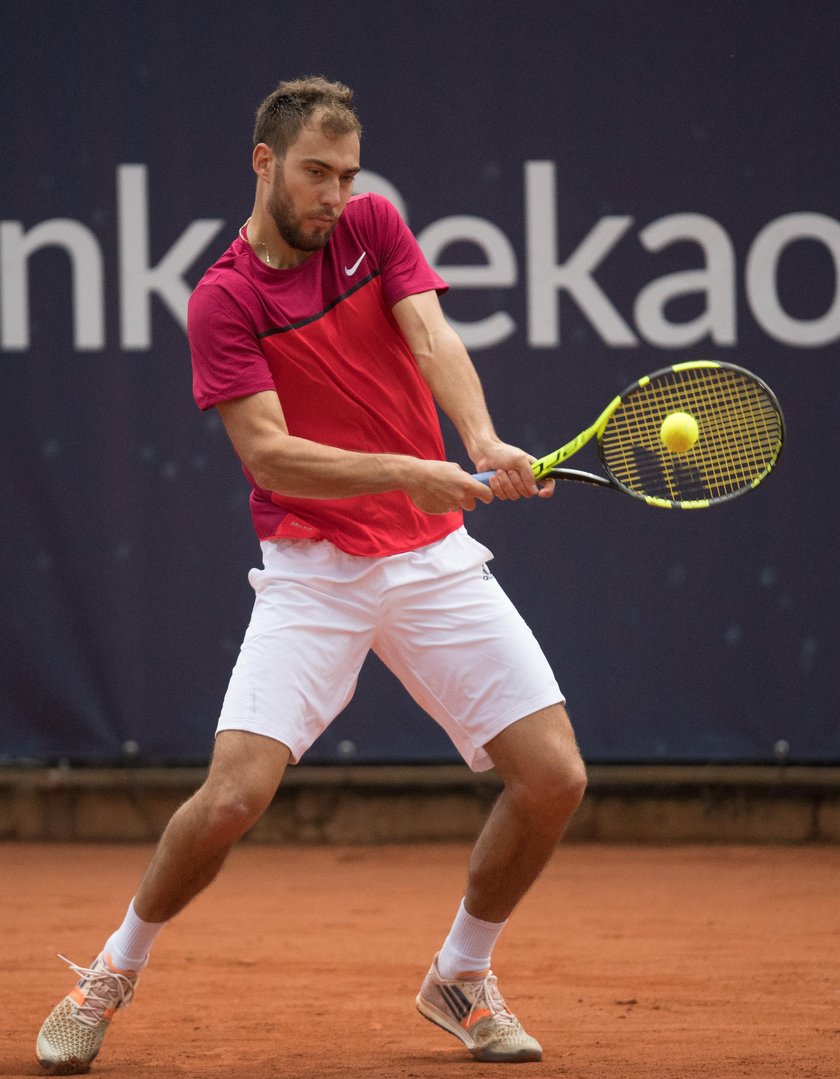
(267, 253)
(256, 241)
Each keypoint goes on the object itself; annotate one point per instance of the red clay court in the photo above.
(303, 962)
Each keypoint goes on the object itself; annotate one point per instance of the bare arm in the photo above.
(449, 372)
(299, 467)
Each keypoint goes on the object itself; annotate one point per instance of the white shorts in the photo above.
(436, 617)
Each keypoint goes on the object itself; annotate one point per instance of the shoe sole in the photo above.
(435, 1015)
(73, 1066)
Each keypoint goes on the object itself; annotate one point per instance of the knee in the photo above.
(229, 811)
(552, 790)
(563, 786)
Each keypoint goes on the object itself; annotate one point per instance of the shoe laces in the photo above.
(496, 1002)
(103, 989)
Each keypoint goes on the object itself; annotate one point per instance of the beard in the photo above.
(291, 227)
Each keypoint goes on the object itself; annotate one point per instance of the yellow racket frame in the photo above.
(741, 434)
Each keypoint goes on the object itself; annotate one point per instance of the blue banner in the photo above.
(608, 189)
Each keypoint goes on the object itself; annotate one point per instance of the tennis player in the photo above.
(319, 337)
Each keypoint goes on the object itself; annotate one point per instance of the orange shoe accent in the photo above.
(118, 970)
(78, 997)
(477, 1014)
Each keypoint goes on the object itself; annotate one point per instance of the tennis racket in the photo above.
(740, 431)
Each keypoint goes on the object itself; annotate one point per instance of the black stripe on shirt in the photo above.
(327, 309)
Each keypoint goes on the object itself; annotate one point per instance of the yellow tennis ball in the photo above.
(679, 432)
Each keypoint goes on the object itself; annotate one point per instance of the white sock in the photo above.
(129, 946)
(469, 945)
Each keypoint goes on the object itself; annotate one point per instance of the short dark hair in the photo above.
(289, 107)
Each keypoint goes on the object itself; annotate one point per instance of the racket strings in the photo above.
(732, 450)
(737, 438)
(740, 435)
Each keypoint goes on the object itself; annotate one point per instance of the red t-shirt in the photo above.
(322, 335)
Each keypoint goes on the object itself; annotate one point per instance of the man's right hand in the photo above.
(443, 487)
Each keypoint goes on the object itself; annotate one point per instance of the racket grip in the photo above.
(537, 466)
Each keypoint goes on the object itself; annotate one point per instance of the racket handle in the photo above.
(484, 477)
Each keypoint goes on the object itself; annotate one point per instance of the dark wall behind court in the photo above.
(609, 187)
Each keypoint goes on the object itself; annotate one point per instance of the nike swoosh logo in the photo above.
(352, 269)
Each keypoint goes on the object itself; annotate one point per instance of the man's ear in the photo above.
(261, 161)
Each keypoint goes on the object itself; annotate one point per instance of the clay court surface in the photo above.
(303, 962)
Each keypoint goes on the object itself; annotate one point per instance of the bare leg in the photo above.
(244, 775)
(544, 777)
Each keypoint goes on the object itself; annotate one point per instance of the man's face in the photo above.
(312, 184)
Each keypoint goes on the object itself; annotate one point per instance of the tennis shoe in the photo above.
(473, 1009)
(73, 1032)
